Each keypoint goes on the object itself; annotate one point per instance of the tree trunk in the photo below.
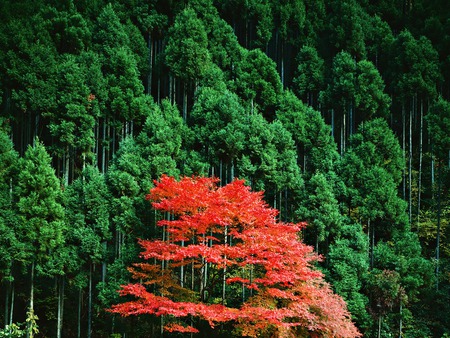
(184, 101)
(419, 188)
(404, 149)
(105, 248)
(410, 167)
(224, 283)
(11, 310)
(7, 292)
(282, 62)
(343, 134)
(60, 306)
(66, 167)
(31, 307)
(104, 147)
(379, 326)
(438, 235)
(80, 300)
(89, 323)
(332, 123)
(150, 63)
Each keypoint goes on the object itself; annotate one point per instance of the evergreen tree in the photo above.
(40, 228)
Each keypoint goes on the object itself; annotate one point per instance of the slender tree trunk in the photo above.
(343, 134)
(31, 307)
(182, 269)
(11, 310)
(150, 63)
(419, 190)
(105, 248)
(224, 283)
(61, 282)
(7, 292)
(351, 122)
(282, 62)
(400, 334)
(184, 100)
(379, 325)
(332, 123)
(66, 167)
(80, 300)
(104, 146)
(404, 149)
(438, 235)
(89, 323)
(410, 167)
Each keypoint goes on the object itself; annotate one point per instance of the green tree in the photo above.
(40, 228)
(187, 54)
(339, 96)
(269, 159)
(9, 245)
(73, 120)
(309, 79)
(438, 123)
(348, 267)
(161, 141)
(316, 149)
(320, 209)
(88, 211)
(370, 99)
(345, 27)
(218, 118)
(258, 82)
(124, 88)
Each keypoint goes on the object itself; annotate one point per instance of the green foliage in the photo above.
(9, 245)
(257, 81)
(40, 228)
(161, 141)
(309, 79)
(187, 55)
(438, 126)
(12, 331)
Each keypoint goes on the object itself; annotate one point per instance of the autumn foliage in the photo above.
(225, 258)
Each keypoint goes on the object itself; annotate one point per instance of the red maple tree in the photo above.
(225, 257)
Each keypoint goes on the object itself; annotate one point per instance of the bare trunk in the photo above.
(31, 306)
(379, 326)
(80, 300)
(7, 292)
(404, 150)
(185, 101)
(438, 235)
(419, 190)
(104, 147)
(282, 63)
(224, 269)
(89, 323)
(66, 167)
(182, 269)
(410, 168)
(11, 310)
(104, 244)
(60, 306)
(332, 123)
(150, 63)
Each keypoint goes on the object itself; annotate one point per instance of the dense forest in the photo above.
(339, 110)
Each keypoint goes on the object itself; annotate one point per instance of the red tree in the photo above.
(218, 238)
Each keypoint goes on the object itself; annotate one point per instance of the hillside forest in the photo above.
(337, 110)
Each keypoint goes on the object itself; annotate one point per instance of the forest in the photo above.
(337, 111)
